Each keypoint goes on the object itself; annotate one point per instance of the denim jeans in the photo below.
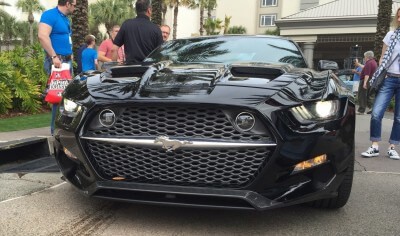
(390, 88)
(47, 68)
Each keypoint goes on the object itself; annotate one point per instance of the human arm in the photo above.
(96, 64)
(114, 52)
(104, 47)
(366, 78)
(44, 31)
(384, 47)
(103, 58)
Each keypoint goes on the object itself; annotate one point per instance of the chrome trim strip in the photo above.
(192, 145)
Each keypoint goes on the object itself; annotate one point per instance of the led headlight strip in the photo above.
(316, 111)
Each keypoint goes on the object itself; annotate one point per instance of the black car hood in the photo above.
(255, 82)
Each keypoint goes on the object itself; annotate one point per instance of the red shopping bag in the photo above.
(57, 82)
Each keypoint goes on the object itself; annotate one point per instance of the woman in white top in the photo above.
(390, 88)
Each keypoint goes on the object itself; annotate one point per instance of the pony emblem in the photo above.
(169, 144)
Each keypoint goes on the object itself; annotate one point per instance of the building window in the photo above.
(268, 3)
(267, 20)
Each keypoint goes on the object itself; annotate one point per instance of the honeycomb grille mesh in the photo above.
(228, 168)
(185, 122)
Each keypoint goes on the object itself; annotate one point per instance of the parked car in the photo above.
(235, 122)
(346, 76)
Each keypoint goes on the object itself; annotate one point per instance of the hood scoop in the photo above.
(245, 72)
(186, 80)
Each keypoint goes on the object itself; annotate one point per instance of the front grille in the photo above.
(184, 122)
(220, 168)
(226, 168)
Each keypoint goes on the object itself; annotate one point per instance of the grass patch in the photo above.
(25, 122)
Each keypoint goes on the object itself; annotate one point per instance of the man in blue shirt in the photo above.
(356, 74)
(89, 55)
(54, 33)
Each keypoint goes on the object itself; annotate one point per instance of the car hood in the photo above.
(252, 82)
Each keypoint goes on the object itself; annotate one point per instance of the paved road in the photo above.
(42, 204)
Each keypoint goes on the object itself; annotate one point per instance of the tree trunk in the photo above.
(31, 33)
(201, 20)
(175, 21)
(80, 26)
(156, 16)
(31, 19)
(164, 12)
(383, 25)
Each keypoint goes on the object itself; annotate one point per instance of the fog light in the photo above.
(310, 163)
(69, 154)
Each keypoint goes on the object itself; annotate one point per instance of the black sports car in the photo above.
(223, 121)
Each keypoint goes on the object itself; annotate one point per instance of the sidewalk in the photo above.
(23, 134)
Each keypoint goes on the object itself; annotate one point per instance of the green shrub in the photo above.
(273, 32)
(237, 30)
(22, 79)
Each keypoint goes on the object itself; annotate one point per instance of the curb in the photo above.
(25, 149)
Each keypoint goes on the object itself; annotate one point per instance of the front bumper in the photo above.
(272, 185)
(268, 191)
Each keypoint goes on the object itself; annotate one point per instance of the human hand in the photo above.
(56, 62)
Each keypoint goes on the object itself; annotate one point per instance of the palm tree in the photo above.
(23, 31)
(203, 5)
(111, 12)
(383, 25)
(30, 6)
(8, 30)
(79, 24)
(227, 22)
(156, 16)
(3, 3)
(175, 4)
(3, 14)
(211, 25)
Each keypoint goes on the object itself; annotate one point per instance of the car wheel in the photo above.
(343, 195)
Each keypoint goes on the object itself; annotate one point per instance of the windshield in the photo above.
(228, 50)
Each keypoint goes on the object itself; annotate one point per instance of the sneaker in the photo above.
(393, 154)
(371, 152)
(369, 112)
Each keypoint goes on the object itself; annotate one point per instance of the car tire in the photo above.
(343, 192)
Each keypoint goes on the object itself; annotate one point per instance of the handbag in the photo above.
(57, 82)
(376, 84)
(378, 81)
(380, 74)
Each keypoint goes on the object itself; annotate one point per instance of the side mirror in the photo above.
(327, 65)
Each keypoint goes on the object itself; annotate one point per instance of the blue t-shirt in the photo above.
(60, 34)
(356, 77)
(88, 57)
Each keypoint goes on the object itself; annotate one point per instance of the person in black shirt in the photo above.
(139, 35)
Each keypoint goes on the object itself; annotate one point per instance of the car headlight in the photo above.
(70, 106)
(70, 112)
(321, 110)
